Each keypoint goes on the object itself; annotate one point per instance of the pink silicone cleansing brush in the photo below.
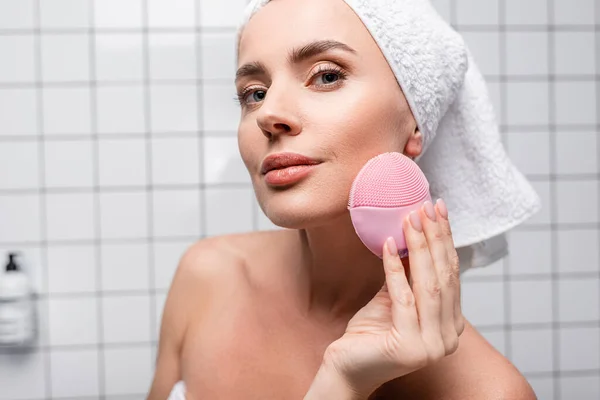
(386, 189)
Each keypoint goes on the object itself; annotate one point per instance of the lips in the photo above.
(285, 160)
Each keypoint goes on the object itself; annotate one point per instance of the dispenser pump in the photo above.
(12, 264)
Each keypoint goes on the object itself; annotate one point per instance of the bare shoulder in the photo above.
(226, 256)
(475, 371)
(209, 268)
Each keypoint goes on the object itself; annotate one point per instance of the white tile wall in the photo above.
(70, 216)
(485, 47)
(119, 56)
(68, 164)
(120, 362)
(519, 145)
(65, 58)
(577, 202)
(175, 161)
(530, 252)
(172, 55)
(532, 350)
(175, 13)
(118, 13)
(579, 300)
(574, 12)
(531, 12)
(580, 387)
(126, 319)
(19, 116)
(527, 103)
(527, 53)
(66, 110)
(577, 251)
(176, 213)
(71, 269)
(122, 162)
(173, 108)
(20, 216)
(125, 267)
(218, 55)
(575, 152)
(118, 151)
(65, 14)
(483, 302)
(575, 60)
(74, 373)
(575, 103)
(475, 12)
(23, 377)
(23, 157)
(123, 215)
(120, 110)
(543, 387)
(15, 15)
(166, 258)
(18, 49)
(531, 302)
(73, 320)
(579, 349)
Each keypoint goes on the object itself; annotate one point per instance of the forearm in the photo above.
(328, 384)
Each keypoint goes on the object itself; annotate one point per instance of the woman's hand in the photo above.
(406, 326)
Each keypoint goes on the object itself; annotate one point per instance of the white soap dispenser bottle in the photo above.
(17, 310)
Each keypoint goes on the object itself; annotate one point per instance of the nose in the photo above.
(276, 116)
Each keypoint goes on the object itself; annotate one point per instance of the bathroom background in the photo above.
(118, 150)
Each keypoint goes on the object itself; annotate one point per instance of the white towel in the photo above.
(463, 157)
(178, 392)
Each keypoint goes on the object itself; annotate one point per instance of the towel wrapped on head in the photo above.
(463, 157)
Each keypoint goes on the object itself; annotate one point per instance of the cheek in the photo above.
(365, 123)
(248, 148)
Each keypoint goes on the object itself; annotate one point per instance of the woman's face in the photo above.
(340, 106)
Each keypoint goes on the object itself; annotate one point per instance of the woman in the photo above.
(309, 312)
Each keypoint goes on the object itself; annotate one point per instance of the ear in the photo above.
(414, 145)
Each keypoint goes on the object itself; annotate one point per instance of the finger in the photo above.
(454, 264)
(426, 286)
(437, 241)
(404, 312)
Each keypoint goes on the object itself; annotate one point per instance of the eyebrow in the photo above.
(296, 55)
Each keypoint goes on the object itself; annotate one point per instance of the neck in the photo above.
(338, 275)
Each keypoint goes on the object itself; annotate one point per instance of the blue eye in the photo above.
(258, 95)
(334, 77)
(329, 75)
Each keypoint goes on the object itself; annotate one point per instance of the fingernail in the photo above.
(391, 246)
(415, 221)
(429, 210)
(442, 207)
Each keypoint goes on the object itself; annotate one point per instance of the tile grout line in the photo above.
(202, 194)
(596, 41)
(506, 265)
(229, 30)
(98, 243)
(490, 78)
(149, 174)
(42, 196)
(229, 134)
(556, 384)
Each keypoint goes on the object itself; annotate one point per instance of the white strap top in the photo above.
(178, 392)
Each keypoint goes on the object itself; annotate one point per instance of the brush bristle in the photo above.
(388, 180)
